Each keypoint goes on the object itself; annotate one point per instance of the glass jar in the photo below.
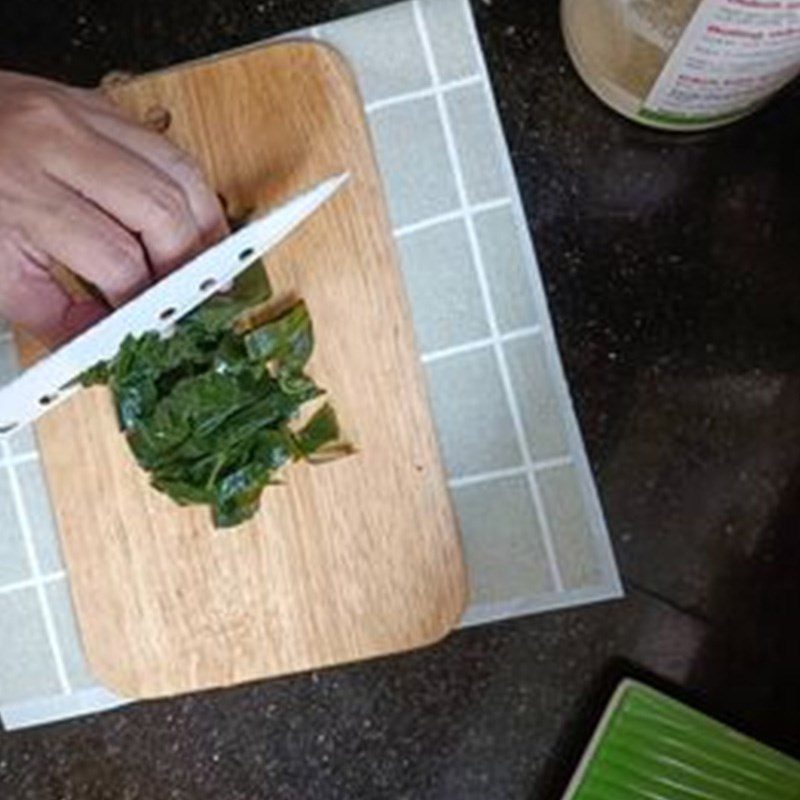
(683, 64)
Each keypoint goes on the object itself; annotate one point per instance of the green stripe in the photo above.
(655, 748)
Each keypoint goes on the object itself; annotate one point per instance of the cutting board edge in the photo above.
(134, 693)
(115, 78)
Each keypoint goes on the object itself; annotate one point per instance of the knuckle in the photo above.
(187, 167)
(168, 206)
(127, 265)
(42, 108)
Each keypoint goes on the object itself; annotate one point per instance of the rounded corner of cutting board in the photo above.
(447, 626)
(459, 599)
(326, 52)
(332, 53)
(116, 678)
(446, 606)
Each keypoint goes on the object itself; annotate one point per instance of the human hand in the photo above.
(84, 186)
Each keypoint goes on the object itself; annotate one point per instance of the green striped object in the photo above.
(651, 747)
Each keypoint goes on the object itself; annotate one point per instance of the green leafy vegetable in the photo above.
(209, 410)
(319, 440)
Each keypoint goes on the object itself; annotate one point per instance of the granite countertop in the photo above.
(671, 266)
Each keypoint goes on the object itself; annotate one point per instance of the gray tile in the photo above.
(533, 386)
(475, 429)
(442, 286)
(565, 509)
(27, 669)
(13, 560)
(452, 45)
(37, 505)
(24, 441)
(58, 597)
(384, 49)
(471, 117)
(9, 366)
(411, 151)
(502, 541)
(504, 261)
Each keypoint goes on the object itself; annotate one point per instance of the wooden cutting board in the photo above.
(349, 560)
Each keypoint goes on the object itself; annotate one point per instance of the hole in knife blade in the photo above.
(208, 284)
(46, 399)
(245, 254)
(167, 313)
(8, 427)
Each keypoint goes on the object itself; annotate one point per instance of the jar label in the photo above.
(732, 55)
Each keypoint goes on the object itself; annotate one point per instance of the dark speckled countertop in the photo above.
(672, 269)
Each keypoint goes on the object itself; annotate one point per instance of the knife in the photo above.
(48, 383)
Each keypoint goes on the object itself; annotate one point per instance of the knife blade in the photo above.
(45, 385)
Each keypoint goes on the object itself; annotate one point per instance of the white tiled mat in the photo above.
(533, 530)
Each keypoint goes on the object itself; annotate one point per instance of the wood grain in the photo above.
(347, 561)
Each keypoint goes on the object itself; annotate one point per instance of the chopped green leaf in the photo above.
(286, 341)
(320, 440)
(251, 288)
(208, 410)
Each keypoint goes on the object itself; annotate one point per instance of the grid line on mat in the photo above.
(477, 344)
(420, 94)
(509, 472)
(19, 458)
(30, 583)
(450, 216)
